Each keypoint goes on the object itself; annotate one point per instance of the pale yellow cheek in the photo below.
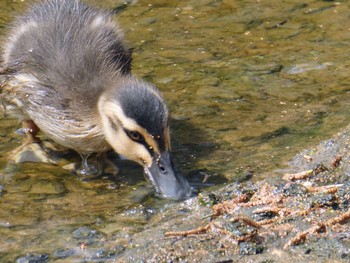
(135, 152)
(131, 150)
(146, 158)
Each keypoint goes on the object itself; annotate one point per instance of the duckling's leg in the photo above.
(30, 129)
(31, 149)
(93, 166)
(89, 170)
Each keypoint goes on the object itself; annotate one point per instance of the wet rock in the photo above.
(33, 258)
(250, 248)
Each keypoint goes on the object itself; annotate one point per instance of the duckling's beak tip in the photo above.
(168, 183)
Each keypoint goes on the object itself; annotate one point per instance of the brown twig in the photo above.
(226, 207)
(246, 220)
(339, 219)
(196, 231)
(301, 237)
(269, 209)
(298, 176)
(268, 221)
(330, 189)
(336, 162)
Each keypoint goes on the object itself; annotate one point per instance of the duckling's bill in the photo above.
(167, 182)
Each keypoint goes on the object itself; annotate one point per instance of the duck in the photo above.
(66, 72)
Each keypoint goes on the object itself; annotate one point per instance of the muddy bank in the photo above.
(303, 217)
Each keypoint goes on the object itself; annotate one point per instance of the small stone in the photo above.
(85, 232)
(294, 190)
(164, 80)
(250, 248)
(33, 258)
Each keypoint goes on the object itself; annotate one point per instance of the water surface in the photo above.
(248, 83)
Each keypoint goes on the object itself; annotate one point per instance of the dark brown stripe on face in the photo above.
(141, 141)
(113, 123)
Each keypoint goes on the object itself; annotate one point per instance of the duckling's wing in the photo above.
(70, 47)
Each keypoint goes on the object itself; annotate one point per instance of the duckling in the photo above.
(68, 74)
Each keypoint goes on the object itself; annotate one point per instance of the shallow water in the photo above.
(248, 83)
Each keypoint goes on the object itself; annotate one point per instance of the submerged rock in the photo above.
(33, 258)
(86, 233)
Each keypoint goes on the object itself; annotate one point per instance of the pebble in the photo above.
(85, 232)
(33, 258)
(250, 248)
(294, 190)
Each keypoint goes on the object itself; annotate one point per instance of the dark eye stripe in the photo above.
(140, 141)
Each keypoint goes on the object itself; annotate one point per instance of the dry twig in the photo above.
(246, 220)
(336, 162)
(330, 189)
(339, 219)
(298, 176)
(196, 231)
(301, 237)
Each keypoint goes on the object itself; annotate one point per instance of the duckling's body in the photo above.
(64, 55)
(68, 71)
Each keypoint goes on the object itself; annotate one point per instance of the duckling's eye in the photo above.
(135, 136)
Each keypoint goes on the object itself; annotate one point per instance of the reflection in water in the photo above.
(248, 83)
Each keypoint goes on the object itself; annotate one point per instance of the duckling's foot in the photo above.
(93, 167)
(90, 169)
(30, 152)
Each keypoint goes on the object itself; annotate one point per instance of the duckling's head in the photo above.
(135, 122)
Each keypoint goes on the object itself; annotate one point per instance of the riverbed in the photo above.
(249, 84)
